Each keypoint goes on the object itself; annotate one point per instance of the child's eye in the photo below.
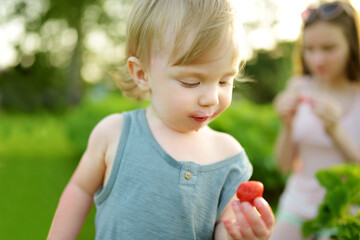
(226, 82)
(189, 84)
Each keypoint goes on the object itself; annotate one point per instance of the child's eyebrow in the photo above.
(189, 72)
(202, 75)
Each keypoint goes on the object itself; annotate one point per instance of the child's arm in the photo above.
(77, 198)
(241, 221)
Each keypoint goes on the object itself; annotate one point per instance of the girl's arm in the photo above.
(286, 149)
(329, 111)
(77, 199)
(348, 149)
(242, 221)
(286, 105)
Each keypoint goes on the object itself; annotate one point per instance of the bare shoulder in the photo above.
(111, 121)
(108, 125)
(225, 143)
(105, 132)
(94, 165)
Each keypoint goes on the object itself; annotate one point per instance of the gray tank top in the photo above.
(150, 195)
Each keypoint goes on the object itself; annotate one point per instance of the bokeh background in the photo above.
(55, 59)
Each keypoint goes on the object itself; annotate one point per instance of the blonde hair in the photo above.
(153, 23)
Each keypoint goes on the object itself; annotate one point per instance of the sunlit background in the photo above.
(274, 21)
(268, 22)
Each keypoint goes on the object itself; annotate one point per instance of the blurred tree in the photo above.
(52, 50)
(37, 87)
(72, 12)
(266, 74)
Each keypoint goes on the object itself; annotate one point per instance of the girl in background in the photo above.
(320, 112)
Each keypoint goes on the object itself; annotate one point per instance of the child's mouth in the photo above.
(200, 119)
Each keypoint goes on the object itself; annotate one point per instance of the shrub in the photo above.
(339, 213)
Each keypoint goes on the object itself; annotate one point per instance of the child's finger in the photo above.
(255, 224)
(232, 229)
(244, 220)
(265, 211)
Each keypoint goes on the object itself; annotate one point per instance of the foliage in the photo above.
(268, 72)
(339, 211)
(32, 89)
(53, 50)
(42, 77)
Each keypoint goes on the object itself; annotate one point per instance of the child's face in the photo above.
(188, 97)
(326, 51)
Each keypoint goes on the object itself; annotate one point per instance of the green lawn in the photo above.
(36, 162)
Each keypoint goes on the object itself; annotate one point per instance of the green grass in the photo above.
(36, 161)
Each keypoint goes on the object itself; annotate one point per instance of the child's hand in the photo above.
(252, 222)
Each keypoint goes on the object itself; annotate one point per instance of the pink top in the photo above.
(316, 150)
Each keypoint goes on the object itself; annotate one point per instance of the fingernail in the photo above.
(261, 200)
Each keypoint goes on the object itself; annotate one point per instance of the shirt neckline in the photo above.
(179, 164)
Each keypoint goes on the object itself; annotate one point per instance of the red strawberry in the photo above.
(248, 191)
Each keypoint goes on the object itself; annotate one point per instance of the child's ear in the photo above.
(138, 73)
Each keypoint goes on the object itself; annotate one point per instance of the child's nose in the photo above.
(209, 96)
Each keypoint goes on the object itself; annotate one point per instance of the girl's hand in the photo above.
(328, 110)
(286, 104)
(252, 222)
